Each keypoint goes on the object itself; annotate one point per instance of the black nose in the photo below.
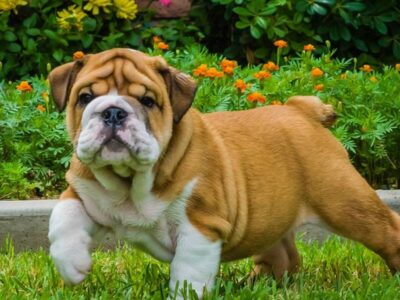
(114, 117)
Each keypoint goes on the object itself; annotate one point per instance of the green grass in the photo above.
(336, 270)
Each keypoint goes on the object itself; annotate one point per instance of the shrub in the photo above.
(247, 28)
(39, 34)
(34, 147)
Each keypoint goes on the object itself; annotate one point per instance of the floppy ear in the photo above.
(181, 89)
(61, 80)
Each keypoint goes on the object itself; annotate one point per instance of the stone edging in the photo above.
(26, 221)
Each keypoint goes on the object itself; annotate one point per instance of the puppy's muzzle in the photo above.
(114, 117)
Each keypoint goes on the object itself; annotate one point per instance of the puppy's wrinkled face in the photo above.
(120, 109)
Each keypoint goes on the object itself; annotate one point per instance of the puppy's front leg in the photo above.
(196, 260)
(70, 232)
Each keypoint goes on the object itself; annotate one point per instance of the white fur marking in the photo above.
(70, 231)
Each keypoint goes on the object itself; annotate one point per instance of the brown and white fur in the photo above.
(193, 189)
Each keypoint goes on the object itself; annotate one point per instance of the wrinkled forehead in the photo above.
(126, 71)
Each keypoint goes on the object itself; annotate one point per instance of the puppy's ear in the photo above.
(61, 80)
(181, 89)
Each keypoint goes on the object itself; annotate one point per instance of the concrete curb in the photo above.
(26, 221)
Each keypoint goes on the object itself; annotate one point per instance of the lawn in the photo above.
(335, 270)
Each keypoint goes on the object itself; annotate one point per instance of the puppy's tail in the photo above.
(313, 108)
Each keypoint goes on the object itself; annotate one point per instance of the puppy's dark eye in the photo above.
(85, 98)
(147, 101)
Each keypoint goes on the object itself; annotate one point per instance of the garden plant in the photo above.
(271, 50)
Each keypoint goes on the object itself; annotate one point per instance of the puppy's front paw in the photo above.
(72, 258)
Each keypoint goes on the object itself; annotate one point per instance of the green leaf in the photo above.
(33, 31)
(382, 28)
(269, 10)
(354, 6)
(302, 6)
(14, 47)
(89, 24)
(87, 41)
(241, 11)
(255, 32)
(58, 55)
(361, 45)
(241, 25)
(10, 36)
(327, 2)
(345, 33)
(319, 9)
(280, 32)
(31, 21)
(261, 22)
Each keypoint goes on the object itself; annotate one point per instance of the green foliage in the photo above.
(335, 270)
(368, 29)
(34, 147)
(34, 40)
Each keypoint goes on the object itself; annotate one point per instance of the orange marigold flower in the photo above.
(309, 47)
(280, 44)
(41, 108)
(270, 66)
(397, 66)
(156, 39)
(240, 85)
(228, 70)
(256, 96)
(317, 72)
(366, 68)
(24, 86)
(228, 63)
(319, 87)
(214, 73)
(373, 79)
(200, 70)
(276, 102)
(78, 55)
(262, 75)
(162, 46)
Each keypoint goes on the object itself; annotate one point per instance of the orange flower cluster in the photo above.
(276, 102)
(162, 46)
(200, 70)
(157, 39)
(78, 55)
(262, 75)
(280, 44)
(309, 48)
(213, 73)
(256, 96)
(240, 85)
(270, 66)
(41, 108)
(319, 87)
(228, 66)
(316, 72)
(366, 68)
(24, 86)
(397, 67)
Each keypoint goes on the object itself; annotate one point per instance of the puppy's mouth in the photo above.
(129, 145)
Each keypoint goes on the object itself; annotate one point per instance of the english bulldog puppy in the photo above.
(196, 189)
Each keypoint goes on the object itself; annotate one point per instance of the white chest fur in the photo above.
(134, 213)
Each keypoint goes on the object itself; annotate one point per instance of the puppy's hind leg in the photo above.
(281, 258)
(355, 211)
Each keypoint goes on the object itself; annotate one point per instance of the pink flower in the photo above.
(165, 2)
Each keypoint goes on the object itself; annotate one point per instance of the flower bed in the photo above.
(35, 150)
